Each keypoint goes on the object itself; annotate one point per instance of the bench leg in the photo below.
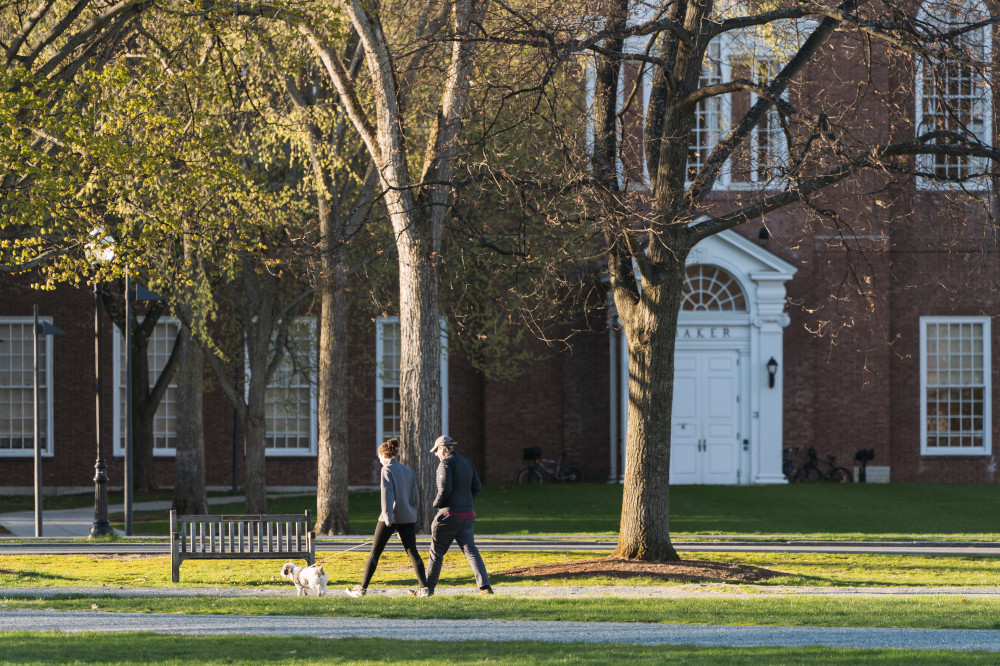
(175, 560)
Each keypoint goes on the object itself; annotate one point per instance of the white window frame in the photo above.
(720, 113)
(46, 372)
(983, 109)
(273, 452)
(118, 428)
(380, 383)
(731, 47)
(723, 290)
(986, 448)
(779, 152)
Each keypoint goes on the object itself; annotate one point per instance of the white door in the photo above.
(705, 428)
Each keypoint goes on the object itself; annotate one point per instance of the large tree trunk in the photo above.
(331, 488)
(651, 328)
(190, 496)
(417, 227)
(420, 366)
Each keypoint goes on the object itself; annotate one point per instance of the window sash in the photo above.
(388, 353)
(955, 96)
(17, 389)
(387, 396)
(708, 115)
(955, 386)
(291, 415)
(158, 351)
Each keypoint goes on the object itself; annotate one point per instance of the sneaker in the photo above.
(356, 591)
(486, 590)
(420, 592)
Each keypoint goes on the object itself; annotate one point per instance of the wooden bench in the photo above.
(232, 537)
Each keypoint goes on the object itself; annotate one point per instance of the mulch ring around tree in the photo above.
(613, 567)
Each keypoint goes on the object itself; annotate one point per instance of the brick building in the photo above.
(870, 331)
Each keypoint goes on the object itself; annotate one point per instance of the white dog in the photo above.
(305, 578)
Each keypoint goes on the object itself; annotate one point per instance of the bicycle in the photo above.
(560, 472)
(810, 470)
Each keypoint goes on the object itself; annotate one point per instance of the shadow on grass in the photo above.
(36, 577)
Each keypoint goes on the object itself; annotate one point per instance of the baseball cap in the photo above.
(443, 440)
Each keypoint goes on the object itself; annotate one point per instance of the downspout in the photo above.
(613, 391)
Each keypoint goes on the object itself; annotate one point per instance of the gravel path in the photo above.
(497, 630)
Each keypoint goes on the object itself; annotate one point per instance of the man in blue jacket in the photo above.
(457, 484)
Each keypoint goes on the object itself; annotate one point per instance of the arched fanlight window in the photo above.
(711, 289)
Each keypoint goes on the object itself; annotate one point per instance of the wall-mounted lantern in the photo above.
(772, 371)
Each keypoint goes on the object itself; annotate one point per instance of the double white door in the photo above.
(705, 444)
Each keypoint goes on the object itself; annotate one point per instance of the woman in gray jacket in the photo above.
(399, 515)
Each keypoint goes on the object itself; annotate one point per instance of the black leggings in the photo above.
(408, 535)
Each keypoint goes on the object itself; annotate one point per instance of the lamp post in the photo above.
(101, 526)
(42, 329)
(128, 404)
(138, 293)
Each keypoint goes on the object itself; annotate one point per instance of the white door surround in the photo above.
(727, 421)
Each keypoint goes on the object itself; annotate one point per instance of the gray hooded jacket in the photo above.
(399, 494)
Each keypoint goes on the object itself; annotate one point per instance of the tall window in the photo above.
(708, 115)
(954, 96)
(761, 160)
(711, 289)
(161, 344)
(387, 378)
(955, 385)
(769, 148)
(17, 389)
(292, 428)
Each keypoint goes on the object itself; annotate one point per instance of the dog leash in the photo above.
(347, 550)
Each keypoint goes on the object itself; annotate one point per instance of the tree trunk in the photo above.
(255, 434)
(420, 366)
(144, 473)
(190, 496)
(143, 415)
(651, 329)
(331, 485)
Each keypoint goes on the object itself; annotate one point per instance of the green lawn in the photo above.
(809, 569)
(818, 510)
(48, 648)
(795, 511)
(923, 611)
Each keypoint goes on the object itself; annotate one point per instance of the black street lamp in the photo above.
(101, 526)
(138, 293)
(40, 329)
